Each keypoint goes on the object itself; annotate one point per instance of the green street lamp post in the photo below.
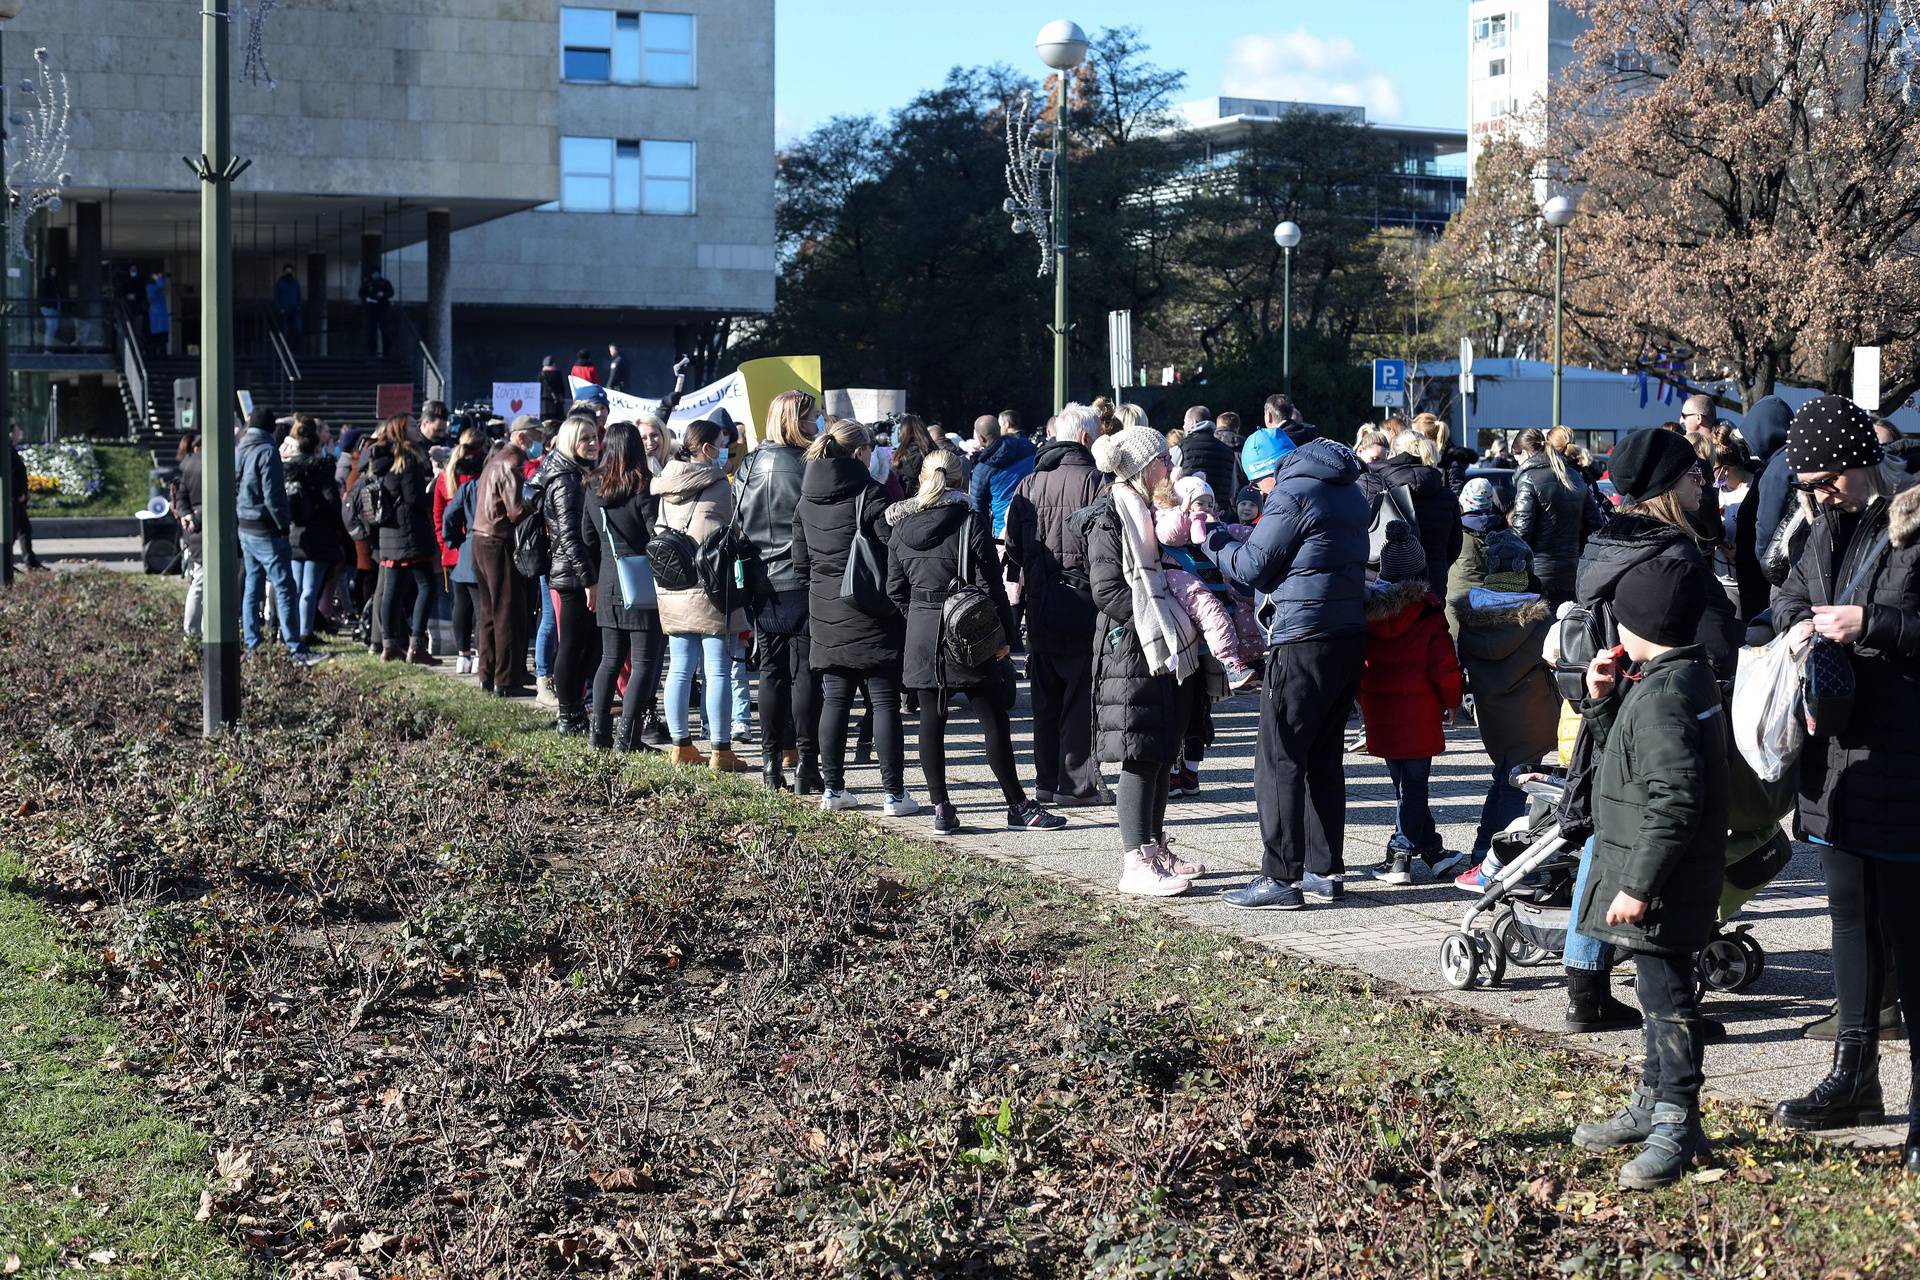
(9, 10)
(219, 539)
(1063, 46)
(1558, 213)
(1287, 236)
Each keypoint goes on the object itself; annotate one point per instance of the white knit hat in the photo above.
(1126, 453)
(1191, 487)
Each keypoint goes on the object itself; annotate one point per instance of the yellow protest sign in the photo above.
(767, 378)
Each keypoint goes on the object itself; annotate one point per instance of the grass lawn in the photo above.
(123, 485)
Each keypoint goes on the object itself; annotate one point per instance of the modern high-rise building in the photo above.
(1516, 52)
(552, 174)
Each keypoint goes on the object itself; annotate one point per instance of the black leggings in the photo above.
(394, 580)
(993, 723)
(618, 647)
(789, 693)
(1141, 799)
(1874, 903)
(837, 688)
(578, 637)
(465, 608)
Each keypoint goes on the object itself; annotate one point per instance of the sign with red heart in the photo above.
(511, 399)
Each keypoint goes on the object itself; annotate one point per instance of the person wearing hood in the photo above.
(769, 492)
(265, 520)
(1503, 623)
(572, 570)
(1145, 649)
(1306, 562)
(855, 644)
(696, 500)
(1434, 510)
(1480, 519)
(1765, 431)
(1410, 681)
(1057, 598)
(999, 467)
(1856, 590)
(938, 544)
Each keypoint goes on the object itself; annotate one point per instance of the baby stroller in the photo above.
(1523, 916)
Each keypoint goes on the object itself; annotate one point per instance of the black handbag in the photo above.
(1784, 547)
(1826, 674)
(971, 633)
(863, 584)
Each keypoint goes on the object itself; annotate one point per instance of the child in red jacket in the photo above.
(1411, 680)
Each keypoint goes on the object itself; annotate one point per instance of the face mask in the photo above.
(820, 423)
(535, 449)
(720, 458)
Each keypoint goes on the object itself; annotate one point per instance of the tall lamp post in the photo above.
(9, 10)
(1063, 46)
(1287, 236)
(1558, 213)
(219, 537)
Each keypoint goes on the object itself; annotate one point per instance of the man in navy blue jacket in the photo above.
(1306, 562)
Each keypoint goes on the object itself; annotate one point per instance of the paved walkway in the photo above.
(1393, 932)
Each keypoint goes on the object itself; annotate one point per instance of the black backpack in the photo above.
(718, 563)
(1585, 632)
(971, 633)
(675, 558)
(373, 505)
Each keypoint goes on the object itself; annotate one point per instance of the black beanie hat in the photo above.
(1663, 599)
(1832, 433)
(1649, 462)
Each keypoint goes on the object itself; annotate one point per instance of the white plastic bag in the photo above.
(1767, 725)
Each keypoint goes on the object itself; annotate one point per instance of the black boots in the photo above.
(573, 721)
(1591, 1006)
(807, 780)
(770, 773)
(1910, 1153)
(1850, 1095)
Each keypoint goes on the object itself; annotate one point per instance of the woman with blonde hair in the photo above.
(939, 543)
(768, 491)
(1127, 415)
(1553, 511)
(572, 568)
(855, 636)
(405, 545)
(1370, 444)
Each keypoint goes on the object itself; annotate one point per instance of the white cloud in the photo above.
(1297, 66)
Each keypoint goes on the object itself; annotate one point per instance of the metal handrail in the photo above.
(133, 363)
(434, 382)
(282, 350)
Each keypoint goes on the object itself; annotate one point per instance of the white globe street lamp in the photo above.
(1287, 236)
(1558, 212)
(1062, 44)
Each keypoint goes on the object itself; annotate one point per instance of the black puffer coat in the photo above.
(1554, 520)
(1860, 789)
(409, 535)
(561, 481)
(923, 560)
(1052, 559)
(842, 636)
(313, 499)
(766, 492)
(1202, 453)
(1629, 539)
(1434, 509)
(1137, 716)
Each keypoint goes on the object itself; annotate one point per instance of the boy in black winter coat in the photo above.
(1660, 836)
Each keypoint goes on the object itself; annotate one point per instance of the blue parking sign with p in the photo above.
(1389, 383)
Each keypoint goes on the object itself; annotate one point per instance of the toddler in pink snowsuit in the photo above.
(1226, 621)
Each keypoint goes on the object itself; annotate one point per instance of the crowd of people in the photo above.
(844, 572)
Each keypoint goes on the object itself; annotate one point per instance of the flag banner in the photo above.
(729, 393)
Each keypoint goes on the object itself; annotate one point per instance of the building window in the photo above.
(608, 175)
(605, 46)
(1491, 32)
(1498, 67)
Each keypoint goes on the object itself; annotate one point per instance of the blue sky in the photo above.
(1404, 60)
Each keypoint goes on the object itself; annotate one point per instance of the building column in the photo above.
(371, 245)
(317, 303)
(90, 327)
(439, 333)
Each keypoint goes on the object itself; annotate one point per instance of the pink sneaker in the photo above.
(1476, 879)
(1176, 866)
(1143, 874)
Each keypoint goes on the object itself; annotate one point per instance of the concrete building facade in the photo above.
(445, 142)
(1516, 51)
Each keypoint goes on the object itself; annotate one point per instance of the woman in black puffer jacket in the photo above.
(1552, 510)
(923, 565)
(404, 543)
(317, 536)
(572, 568)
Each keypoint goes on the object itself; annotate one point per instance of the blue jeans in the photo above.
(742, 686)
(709, 653)
(268, 559)
(1503, 804)
(1583, 952)
(546, 641)
(312, 577)
(1413, 829)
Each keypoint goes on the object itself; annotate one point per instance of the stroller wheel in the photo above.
(1730, 963)
(1493, 961)
(1459, 960)
(1516, 945)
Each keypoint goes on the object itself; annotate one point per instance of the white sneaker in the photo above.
(836, 801)
(900, 806)
(1144, 875)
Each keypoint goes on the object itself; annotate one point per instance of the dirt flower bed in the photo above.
(443, 1010)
